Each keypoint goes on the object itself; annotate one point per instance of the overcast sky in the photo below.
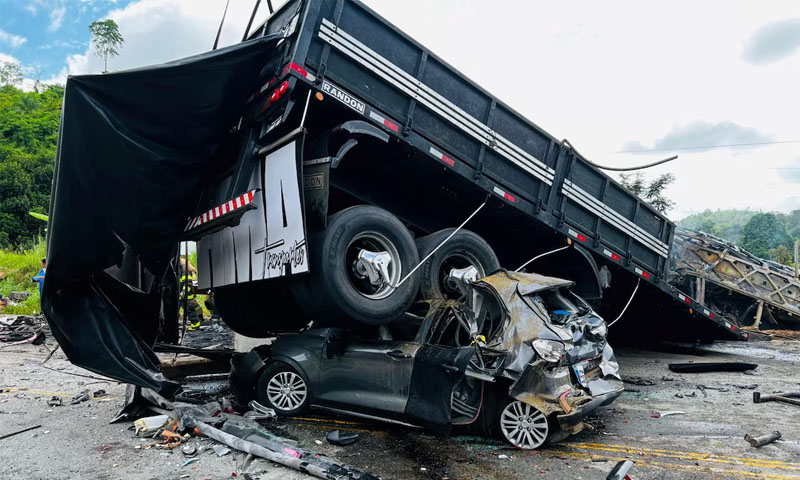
(614, 76)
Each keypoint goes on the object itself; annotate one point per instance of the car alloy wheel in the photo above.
(523, 425)
(287, 391)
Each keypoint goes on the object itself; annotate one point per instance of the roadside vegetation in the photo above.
(16, 270)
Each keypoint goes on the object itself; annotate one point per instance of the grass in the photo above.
(16, 270)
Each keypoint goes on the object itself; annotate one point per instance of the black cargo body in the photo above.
(454, 133)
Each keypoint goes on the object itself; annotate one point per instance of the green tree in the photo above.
(781, 254)
(10, 73)
(28, 135)
(762, 233)
(106, 39)
(652, 192)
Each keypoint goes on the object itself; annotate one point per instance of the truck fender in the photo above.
(356, 127)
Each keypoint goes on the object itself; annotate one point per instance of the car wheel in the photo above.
(465, 249)
(283, 389)
(344, 284)
(523, 425)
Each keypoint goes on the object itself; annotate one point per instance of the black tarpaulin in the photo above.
(134, 150)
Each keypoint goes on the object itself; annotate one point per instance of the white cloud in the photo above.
(11, 39)
(7, 58)
(56, 15)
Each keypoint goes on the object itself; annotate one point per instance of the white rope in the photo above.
(440, 245)
(627, 304)
(540, 256)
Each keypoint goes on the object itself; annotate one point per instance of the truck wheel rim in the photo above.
(286, 391)
(377, 243)
(523, 426)
(456, 261)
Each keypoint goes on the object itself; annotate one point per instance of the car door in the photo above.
(369, 376)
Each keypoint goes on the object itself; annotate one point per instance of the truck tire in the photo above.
(465, 249)
(338, 291)
(259, 309)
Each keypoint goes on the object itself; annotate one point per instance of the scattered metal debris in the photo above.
(341, 439)
(221, 450)
(80, 398)
(763, 439)
(789, 397)
(704, 367)
(189, 450)
(620, 470)
(19, 431)
(55, 401)
(668, 413)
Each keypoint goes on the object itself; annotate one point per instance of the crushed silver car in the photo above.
(519, 355)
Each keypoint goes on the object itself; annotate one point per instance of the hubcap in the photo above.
(455, 262)
(286, 391)
(374, 265)
(523, 426)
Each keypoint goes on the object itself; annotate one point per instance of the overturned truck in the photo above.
(333, 172)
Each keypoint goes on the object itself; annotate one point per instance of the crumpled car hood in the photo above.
(526, 319)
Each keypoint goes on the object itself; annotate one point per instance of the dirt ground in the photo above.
(704, 441)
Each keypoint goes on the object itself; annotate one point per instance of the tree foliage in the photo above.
(727, 224)
(652, 192)
(764, 232)
(28, 135)
(10, 73)
(106, 39)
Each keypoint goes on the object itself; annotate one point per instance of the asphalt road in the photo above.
(703, 442)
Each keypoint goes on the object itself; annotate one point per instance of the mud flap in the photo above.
(436, 372)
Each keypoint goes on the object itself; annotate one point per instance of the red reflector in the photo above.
(733, 327)
(275, 96)
(391, 126)
(687, 300)
(297, 68)
(615, 257)
(448, 160)
(581, 237)
(509, 197)
(646, 275)
(712, 315)
(284, 86)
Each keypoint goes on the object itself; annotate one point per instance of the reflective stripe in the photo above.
(224, 209)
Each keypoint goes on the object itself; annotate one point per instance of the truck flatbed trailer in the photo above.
(453, 143)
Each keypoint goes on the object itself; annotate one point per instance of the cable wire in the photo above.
(566, 143)
(627, 304)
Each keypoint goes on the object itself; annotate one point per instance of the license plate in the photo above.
(580, 373)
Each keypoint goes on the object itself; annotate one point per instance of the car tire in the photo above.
(465, 249)
(335, 292)
(259, 309)
(522, 425)
(283, 389)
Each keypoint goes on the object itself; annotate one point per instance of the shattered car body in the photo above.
(519, 356)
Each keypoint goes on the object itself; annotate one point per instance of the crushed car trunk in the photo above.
(134, 149)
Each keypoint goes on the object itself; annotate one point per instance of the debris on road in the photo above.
(667, 413)
(189, 450)
(341, 439)
(620, 471)
(221, 450)
(638, 381)
(21, 329)
(19, 431)
(789, 397)
(55, 401)
(763, 439)
(80, 398)
(150, 424)
(705, 367)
